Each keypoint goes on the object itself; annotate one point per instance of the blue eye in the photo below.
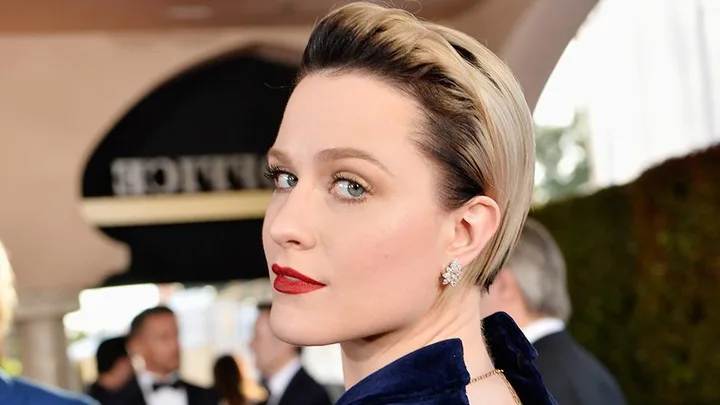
(350, 189)
(286, 181)
(281, 178)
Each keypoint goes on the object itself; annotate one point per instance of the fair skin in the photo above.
(356, 208)
(271, 353)
(158, 344)
(505, 295)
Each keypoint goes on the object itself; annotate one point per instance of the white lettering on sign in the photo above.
(187, 174)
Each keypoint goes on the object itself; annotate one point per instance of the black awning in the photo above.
(205, 131)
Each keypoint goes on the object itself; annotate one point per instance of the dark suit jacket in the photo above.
(18, 391)
(132, 395)
(304, 390)
(573, 375)
(100, 393)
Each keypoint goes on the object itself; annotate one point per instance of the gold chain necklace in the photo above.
(486, 375)
(499, 372)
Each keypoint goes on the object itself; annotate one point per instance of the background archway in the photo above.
(201, 134)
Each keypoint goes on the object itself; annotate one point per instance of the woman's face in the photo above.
(356, 210)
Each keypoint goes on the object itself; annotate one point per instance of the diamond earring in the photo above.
(452, 273)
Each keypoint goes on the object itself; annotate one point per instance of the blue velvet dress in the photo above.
(436, 374)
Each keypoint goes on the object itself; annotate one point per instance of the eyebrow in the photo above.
(333, 154)
(279, 156)
(350, 153)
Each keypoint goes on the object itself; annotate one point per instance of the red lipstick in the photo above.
(291, 281)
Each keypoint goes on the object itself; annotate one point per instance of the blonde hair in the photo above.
(8, 298)
(477, 127)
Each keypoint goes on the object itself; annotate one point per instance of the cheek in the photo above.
(268, 246)
(388, 248)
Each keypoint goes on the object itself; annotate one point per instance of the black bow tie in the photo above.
(175, 384)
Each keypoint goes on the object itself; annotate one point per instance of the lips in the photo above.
(291, 281)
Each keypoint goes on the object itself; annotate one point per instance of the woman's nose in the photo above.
(291, 222)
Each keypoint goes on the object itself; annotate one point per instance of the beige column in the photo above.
(43, 343)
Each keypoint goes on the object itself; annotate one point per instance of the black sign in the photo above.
(188, 174)
(206, 131)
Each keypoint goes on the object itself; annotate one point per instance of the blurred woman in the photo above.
(228, 381)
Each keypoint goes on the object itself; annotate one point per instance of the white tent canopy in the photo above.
(648, 74)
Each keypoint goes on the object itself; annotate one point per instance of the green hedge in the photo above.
(644, 277)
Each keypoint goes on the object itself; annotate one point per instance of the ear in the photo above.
(132, 347)
(475, 223)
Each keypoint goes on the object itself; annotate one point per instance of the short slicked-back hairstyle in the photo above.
(476, 126)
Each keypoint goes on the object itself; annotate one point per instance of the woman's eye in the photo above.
(282, 179)
(350, 189)
(285, 181)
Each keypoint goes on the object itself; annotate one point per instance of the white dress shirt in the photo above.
(162, 396)
(278, 383)
(542, 327)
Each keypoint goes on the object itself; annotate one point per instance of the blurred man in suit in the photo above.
(532, 289)
(114, 369)
(283, 375)
(19, 391)
(155, 344)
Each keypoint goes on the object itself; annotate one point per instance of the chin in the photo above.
(297, 327)
(306, 327)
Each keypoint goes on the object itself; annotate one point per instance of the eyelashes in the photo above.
(271, 172)
(351, 188)
(342, 185)
(281, 178)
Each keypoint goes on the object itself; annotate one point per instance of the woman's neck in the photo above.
(459, 318)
